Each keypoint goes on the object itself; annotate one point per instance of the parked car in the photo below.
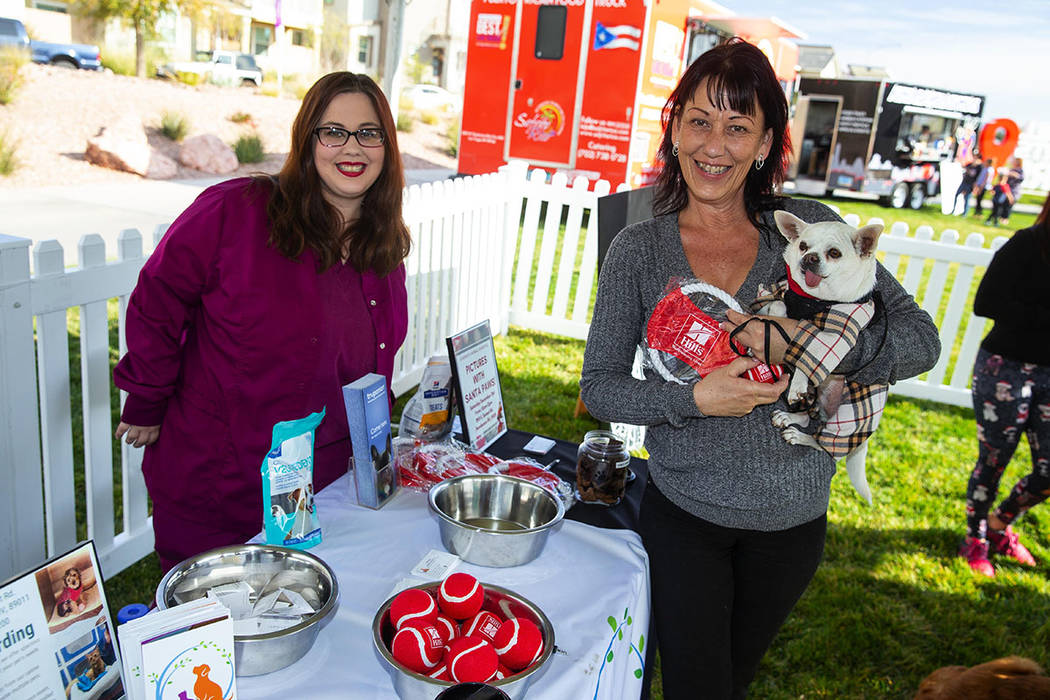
(219, 67)
(428, 98)
(85, 56)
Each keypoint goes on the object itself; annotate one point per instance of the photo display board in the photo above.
(57, 639)
(478, 392)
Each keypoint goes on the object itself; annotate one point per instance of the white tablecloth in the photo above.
(591, 582)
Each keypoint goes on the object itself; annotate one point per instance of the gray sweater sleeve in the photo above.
(607, 387)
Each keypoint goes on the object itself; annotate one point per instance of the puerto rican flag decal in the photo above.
(622, 36)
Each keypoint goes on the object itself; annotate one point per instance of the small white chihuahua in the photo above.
(831, 276)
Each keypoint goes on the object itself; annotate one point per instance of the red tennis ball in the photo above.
(447, 627)
(460, 596)
(412, 604)
(418, 646)
(440, 673)
(471, 660)
(503, 672)
(484, 624)
(519, 643)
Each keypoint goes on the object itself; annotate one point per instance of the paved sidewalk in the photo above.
(67, 212)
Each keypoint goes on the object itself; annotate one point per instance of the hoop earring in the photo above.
(759, 162)
(674, 149)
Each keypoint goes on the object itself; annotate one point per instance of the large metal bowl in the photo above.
(494, 519)
(261, 566)
(410, 685)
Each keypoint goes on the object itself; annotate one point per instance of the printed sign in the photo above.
(473, 358)
(56, 635)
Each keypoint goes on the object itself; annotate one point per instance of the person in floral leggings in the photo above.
(1011, 394)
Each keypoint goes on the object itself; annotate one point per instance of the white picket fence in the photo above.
(462, 270)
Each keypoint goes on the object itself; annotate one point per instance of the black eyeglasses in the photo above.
(334, 136)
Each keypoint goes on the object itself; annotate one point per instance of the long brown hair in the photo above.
(739, 77)
(301, 218)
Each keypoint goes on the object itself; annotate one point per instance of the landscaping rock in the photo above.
(121, 145)
(207, 153)
(161, 167)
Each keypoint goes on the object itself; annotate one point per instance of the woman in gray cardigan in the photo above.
(733, 517)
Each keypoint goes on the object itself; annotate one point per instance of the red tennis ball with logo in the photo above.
(519, 643)
(412, 604)
(418, 646)
(460, 596)
(447, 627)
(484, 624)
(471, 660)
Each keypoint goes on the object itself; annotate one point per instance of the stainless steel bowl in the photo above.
(410, 685)
(261, 566)
(494, 519)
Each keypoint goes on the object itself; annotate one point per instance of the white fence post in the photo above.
(22, 544)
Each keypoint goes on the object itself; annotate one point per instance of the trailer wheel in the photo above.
(899, 195)
(918, 195)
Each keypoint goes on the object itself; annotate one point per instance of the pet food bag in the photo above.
(683, 342)
(428, 414)
(289, 513)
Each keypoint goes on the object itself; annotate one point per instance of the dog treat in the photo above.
(289, 513)
(428, 414)
(601, 468)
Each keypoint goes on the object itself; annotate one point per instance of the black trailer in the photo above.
(877, 137)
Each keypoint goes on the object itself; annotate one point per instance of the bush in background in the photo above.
(11, 62)
(429, 118)
(241, 118)
(8, 154)
(452, 134)
(405, 121)
(121, 61)
(249, 149)
(174, 125)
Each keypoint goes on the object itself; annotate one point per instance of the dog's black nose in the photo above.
(810, 261)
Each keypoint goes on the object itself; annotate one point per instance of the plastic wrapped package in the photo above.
(683, 342)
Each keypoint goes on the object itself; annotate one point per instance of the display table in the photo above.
(591, 582)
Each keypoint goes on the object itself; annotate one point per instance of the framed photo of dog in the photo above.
(56, 633)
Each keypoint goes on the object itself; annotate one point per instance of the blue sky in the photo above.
(997, 49)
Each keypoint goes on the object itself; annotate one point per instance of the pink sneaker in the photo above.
(1008, 544)
(975, 552)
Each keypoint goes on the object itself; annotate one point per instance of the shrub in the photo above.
(188, 77)
(429, 118)
(241, 118)
(405, 122)
(121, 61)
(8, 154)
(269, 89)
(174, 125)
(452, 134)
(249, 149)
(11, 62)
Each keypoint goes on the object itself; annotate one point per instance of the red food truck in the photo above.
(578, 86)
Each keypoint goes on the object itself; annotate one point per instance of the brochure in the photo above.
(368, 417)
(183, 652)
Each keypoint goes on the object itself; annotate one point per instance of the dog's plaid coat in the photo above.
(851, 412)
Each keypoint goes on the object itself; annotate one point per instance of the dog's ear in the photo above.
(790, 226)
(866, 239)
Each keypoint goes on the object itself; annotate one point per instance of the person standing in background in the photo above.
(980, 186)
(1011, 394)
(967, 186)
(1007, 192)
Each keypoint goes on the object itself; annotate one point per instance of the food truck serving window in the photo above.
(550, 32)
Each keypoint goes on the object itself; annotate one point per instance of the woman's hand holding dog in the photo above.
(138, 435)
(724, 392)
(753, 335)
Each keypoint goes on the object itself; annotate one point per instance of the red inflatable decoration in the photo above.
(998, 140)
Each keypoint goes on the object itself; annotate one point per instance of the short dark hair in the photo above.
(299, 215)
(739, 77)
